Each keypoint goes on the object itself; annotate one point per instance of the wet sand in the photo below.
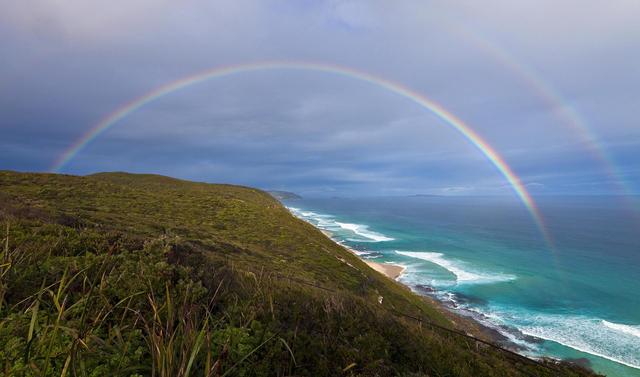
(392, 271)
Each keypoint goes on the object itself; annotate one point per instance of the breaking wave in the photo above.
(462, 273)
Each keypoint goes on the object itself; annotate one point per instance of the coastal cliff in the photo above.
(123, 274)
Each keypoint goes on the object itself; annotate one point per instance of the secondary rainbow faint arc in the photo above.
(394, 87)
(554, 100)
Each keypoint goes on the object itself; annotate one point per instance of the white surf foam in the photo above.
(462, 274)
(317, 219)
(595, 336)
(590, 335)
(328, 222)
(363, 231)
(627, 329)
(598, 337)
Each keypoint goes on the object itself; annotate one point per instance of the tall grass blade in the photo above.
(196, 347)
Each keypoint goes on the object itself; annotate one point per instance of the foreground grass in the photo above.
(133, 275)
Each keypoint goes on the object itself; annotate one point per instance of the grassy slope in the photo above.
(121, 274)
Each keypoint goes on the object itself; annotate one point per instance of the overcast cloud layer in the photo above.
(68, 63)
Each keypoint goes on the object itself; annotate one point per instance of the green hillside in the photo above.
(117, 274)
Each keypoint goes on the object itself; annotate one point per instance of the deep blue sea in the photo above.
(578, 298)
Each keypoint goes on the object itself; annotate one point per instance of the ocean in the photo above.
(576, 298)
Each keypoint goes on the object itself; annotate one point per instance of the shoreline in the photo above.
(460, 322)
(390, 270)
(466, 321)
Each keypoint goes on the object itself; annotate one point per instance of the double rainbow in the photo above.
(447, 117)
(562, 108)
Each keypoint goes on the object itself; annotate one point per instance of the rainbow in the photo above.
(399, 89)
(553, 100)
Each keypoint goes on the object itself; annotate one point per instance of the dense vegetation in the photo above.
(134, 275)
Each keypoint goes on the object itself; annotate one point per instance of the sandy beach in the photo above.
(392, 271)
(463, 323)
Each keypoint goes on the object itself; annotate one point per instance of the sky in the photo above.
(552, 86)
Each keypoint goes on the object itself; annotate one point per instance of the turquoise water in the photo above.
(484, 257)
